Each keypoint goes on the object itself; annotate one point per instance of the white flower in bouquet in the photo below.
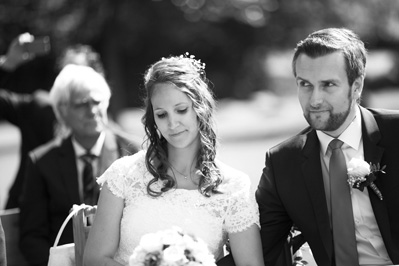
(171, 248)
(151, 242)
(170, 237)
(174, 255)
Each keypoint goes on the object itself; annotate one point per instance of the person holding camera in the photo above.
(22, 49)
(28, 64)
(24, 101)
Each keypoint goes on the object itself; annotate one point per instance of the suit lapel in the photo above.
(312, 173)
(68, 169)
(109, 153)
(373, 153)
(67, 163)
(371, 136)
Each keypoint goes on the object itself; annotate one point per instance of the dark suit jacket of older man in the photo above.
(51, 188)
(291, 189)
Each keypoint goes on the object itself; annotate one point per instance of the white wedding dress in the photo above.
(209, 218)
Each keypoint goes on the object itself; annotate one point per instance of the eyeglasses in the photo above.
(86, 104)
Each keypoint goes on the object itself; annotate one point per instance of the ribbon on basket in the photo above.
(64, 255)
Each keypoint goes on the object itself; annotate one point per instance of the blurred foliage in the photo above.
(232, 37)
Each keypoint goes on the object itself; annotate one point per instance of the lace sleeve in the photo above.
(119, 175)
(242, 210)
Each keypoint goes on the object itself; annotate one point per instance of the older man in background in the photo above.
(63, 172)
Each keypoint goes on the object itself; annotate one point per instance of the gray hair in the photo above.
(73, 78)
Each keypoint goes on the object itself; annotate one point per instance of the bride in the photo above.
(177, 181)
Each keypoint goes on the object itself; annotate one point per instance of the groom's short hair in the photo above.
(330, 40)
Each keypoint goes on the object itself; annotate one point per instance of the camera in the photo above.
(39, 46)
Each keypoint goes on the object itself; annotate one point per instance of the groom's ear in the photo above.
(357, 87)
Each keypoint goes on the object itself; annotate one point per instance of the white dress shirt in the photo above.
(370, 245)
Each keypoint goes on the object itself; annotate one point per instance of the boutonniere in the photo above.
(361, 174)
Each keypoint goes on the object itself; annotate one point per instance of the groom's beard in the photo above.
(333, 121)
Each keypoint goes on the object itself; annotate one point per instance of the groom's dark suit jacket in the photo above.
(3, 258)
(51, 189)
(291, 189)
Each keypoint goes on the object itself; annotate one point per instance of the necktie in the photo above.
(345, 247)
(90, 188)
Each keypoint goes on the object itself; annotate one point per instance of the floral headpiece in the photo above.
(196, 63)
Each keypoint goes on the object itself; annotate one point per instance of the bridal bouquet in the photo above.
(361, 174)
(171, 248)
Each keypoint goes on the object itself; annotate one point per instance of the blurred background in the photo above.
(247, 46)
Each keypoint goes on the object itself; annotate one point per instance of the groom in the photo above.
(304, 181)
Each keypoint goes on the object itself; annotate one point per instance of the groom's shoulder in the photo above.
(293, 143)
(385, 114)
(385, 118)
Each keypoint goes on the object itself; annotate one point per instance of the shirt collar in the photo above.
(95, 150)
(351, 136)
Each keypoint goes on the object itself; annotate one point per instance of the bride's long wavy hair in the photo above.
(188, 75)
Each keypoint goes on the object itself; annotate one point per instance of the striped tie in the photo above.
(90, 187)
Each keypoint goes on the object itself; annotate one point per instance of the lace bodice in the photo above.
(209, 218)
